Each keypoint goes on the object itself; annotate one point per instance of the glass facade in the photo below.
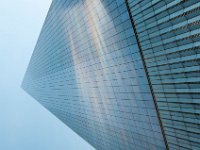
(86, 69)
(123, 74)
(168, 33)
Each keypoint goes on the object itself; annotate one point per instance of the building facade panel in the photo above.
(87, 70)
(168, 33)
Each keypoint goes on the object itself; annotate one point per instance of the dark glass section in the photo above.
(169, 34)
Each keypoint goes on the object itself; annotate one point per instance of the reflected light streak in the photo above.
(91, 9)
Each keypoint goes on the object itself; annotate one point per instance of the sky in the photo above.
(24, 123)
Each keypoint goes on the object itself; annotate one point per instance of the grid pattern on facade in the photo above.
(86, 69)
(169, 35)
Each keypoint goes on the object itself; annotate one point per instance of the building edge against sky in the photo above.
(123, 74)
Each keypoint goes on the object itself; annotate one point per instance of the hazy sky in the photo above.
(24, 123)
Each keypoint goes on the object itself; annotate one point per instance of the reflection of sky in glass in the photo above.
(25, 124)
(92, 78)
(93, 30)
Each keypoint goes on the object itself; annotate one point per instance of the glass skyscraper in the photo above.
(123, 74)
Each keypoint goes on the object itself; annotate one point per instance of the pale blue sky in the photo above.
(24, 123)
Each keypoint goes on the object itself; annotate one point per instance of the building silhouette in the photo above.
(123, 74)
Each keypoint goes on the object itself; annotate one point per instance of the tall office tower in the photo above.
(123, 74)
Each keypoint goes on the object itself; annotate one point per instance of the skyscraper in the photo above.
(123, 74)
